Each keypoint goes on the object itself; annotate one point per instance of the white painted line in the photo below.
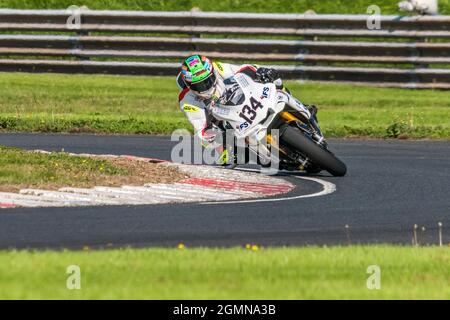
(328, 188)
(69, 198)
(182, 190)
(192, 189)
(229, 194)
(133, 195)
(28, 200)
(227, 174)
(58, 196)
(103, 197)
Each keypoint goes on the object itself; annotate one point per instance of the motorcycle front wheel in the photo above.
(315, 153)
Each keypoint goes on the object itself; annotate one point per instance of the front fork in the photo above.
(308, 124)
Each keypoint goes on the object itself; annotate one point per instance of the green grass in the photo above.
(283, 6)
(149, 105)
(19, 167)
(24, 169)
(283, 273)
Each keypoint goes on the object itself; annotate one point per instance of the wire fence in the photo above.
(394, 51)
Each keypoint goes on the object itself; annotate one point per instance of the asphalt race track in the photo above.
(390, 186)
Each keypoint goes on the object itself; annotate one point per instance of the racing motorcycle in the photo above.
(252, 110)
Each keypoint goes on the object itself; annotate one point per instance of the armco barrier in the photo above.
(409, 52)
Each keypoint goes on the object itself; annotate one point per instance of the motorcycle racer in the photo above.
(203, 84)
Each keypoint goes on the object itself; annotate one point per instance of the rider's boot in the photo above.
(226, 160)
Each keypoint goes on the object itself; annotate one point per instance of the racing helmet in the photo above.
(199, 75)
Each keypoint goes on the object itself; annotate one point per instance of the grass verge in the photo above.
(149, 105)
(23, 169)
(282, 6)
(282, 273)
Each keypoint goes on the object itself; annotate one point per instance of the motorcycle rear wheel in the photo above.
(315, 153)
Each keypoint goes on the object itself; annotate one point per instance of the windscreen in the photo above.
(233, 94)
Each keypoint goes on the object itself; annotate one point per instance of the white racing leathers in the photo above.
(197, 111)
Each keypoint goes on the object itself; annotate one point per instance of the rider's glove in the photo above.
(212, 135)
(265, 75)
(209, 137)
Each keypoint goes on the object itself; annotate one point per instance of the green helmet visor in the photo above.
(204, 85)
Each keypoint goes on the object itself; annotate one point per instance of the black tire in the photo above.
(313, 169)
(323, 158)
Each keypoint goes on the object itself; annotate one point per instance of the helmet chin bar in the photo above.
(206, 94)
(216, 90)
